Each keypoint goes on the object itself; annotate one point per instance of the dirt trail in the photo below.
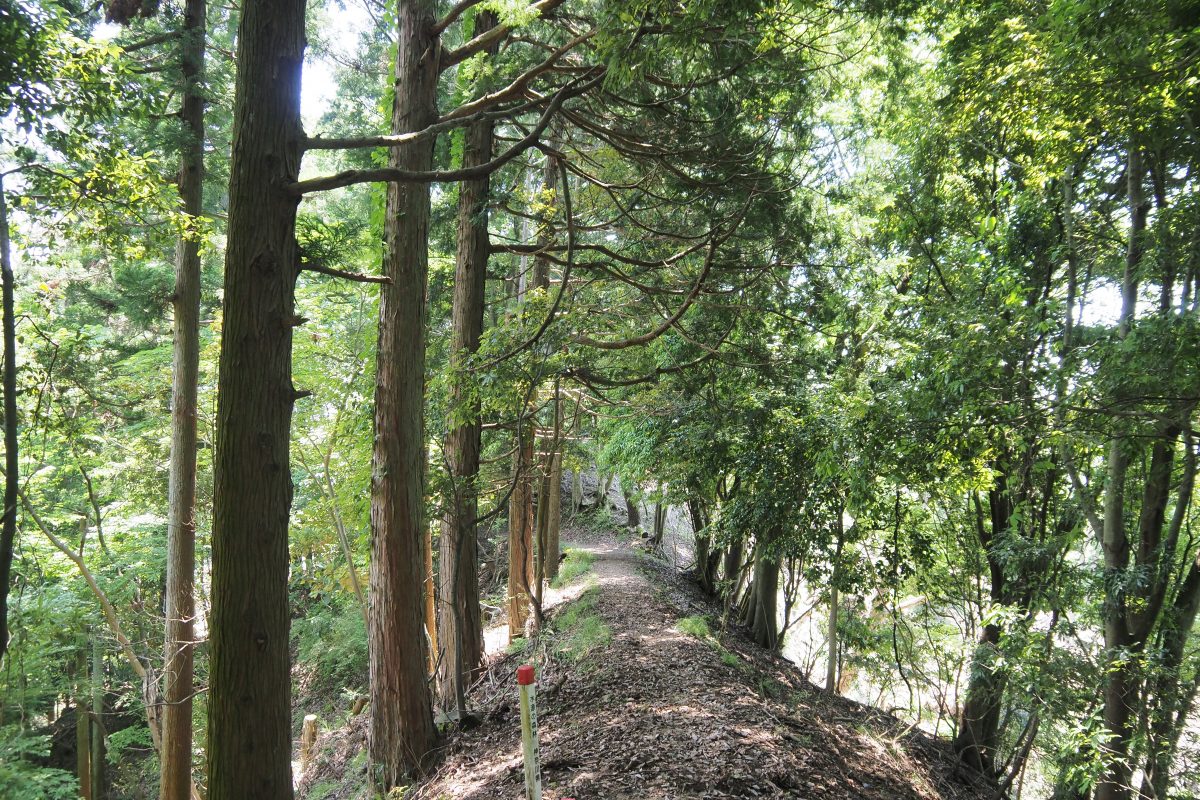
(658, 713)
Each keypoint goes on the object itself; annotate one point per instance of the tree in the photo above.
(249, 686)
(460, 630)
(402, 735)
(180, 602)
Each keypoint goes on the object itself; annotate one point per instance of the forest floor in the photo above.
(641, 696)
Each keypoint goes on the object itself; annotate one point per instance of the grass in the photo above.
(696, 627)
(581, 629)
(577, 562)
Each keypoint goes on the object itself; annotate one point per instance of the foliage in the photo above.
(332, 639)
(20, 777)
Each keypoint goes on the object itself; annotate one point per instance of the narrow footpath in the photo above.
(638, 699)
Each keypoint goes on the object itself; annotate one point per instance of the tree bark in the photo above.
(180, 604)
(1172, 699)
(762, 615)
(97, 720)
(402, 735)
(555, 493)
(8, 530)
(731, 573)
(460, 625)
(249, 729)
(708, 558)
(83, 745)
(979, 725)
(633, 516)
(520, 537)
(429, 587)
(1121, 687)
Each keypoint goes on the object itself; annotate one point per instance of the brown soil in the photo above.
(660, 714)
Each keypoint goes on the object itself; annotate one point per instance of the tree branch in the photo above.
(452, 16)
(388, 174)
(484, 40)
(308, 266)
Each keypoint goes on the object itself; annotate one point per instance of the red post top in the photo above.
(525, 675)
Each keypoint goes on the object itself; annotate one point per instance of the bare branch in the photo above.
(452, 16)
(388, 174)
(308, 266)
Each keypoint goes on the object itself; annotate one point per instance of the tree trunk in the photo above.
(762, 614)
(83, 747)
(520, 537)
(977, 740)
(8, 530)
(554, 521)
(576, 491)
(634, 517)
(1120, 689)
(1171, 697)
(97, 719)
(708, 558)
(249, 727)
(979, 726)
(429, 587)
(180, 603)
(460, 626)
(731, 573)
(660, 524)
(402, 736)
(831, 662)
(831, 634)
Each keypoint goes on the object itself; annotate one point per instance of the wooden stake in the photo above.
(308, 739)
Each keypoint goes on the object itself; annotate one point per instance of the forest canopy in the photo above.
(319, 315)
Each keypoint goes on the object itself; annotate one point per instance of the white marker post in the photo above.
(529, 738)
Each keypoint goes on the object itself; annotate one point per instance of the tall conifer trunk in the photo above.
(1121, 685)
(460, 627)
(176, 756)
(249, 727)
(8, 529)
(402, 735)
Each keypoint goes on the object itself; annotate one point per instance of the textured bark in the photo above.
(249, 728)
(8, 529)
(402, 736)
(460, 625)
(576, 491)
(179, 596)
(520, 538)
(761, 613)
(430, 595)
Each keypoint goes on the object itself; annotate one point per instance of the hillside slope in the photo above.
(637, 699)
